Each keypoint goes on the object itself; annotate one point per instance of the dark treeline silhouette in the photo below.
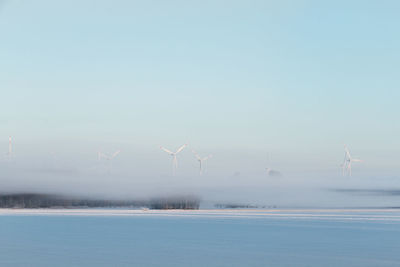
(31, 201)
(242, 206)
(235, 206)
(183, 202)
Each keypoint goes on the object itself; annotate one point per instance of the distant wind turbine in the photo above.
(201, 160)
(9, 145)
(173, 154)
(271, 172)
(348, 160)
(101, 155)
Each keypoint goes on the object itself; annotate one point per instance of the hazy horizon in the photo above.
(256, 84)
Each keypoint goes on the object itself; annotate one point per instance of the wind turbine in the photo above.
(271, 172)
(9, 145)
(101, 155)
(200, 160)
(9, 153)
(173, 154)
(348, 160)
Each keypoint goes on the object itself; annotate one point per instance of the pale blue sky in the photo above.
(293, 78)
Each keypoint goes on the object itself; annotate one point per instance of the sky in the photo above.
(255, 83)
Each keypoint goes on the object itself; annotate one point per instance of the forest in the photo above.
(34, 201)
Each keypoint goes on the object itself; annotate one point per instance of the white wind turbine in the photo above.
(173, 154)
(101, 155)
(348, 160)
(9, 146)
(10, 152)
(201, 160)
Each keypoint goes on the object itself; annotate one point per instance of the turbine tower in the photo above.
(101, 155)
(173, 154)
(9, 146)
(9, 154)
(348, 160)
(201, 160)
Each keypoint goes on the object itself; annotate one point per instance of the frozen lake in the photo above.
(200, 238)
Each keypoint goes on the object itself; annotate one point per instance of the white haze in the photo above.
(232, 176)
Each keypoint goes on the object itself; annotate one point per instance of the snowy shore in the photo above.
(321, 214)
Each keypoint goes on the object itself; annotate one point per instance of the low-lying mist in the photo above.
(118, 180)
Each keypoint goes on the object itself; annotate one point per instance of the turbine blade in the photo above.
(115, 154)
(166, 150)
(181, 148)
(347, 151)
(102, 155)
(206, 158)
(196, 155)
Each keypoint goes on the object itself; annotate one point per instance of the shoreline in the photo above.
(385, 215)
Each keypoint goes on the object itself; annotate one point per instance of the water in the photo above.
(215, 238)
